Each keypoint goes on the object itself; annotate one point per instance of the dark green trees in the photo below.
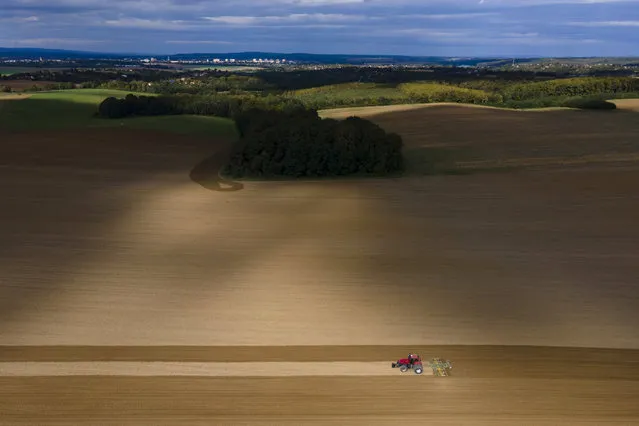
(137, 105)
(300, 144)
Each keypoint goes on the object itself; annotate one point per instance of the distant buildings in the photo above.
(219, 61)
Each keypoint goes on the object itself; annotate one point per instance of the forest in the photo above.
(354, 86)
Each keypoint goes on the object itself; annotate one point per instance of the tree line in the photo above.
(571, 87)
(400, 85)
(219, 105)
(585, 93)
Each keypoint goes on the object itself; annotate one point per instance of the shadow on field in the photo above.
(69, 192)
(207, 173)
(30, 113)
(112, 213)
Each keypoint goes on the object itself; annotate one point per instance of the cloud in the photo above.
(428, 27)
(20, 20)
(322, 2)
(294, 18)
(605, 24)
(198, 42)
(138, 23)
(51, 41)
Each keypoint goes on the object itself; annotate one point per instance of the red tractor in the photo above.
(413, 361)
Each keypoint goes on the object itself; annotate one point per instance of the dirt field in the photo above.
(490, 386)
(109, 242)
(131, 246)
(13, 97)
(371, 111)
(475, 137)
(627, 104)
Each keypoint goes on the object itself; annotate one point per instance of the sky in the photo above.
(372, 27)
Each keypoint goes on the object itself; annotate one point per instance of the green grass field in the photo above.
(69, 109)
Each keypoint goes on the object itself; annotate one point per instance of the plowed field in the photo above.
(110, 253)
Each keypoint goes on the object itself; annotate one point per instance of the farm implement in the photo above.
(414, 362)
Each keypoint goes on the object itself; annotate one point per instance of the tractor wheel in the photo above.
(403, 368)
(419, 369)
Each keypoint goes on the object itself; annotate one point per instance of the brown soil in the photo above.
(107, 232)
(207, 172)
(316, 401)
(489, 385)
(200, 369)
(627, 104)
(13, 96)
(489, 138)
(106, 240)
(371, 111)
(477, 361)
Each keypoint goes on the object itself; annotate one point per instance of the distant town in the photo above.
(14, 61)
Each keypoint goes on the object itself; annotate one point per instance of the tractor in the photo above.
(413, 362)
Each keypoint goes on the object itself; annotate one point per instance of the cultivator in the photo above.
(440, 367)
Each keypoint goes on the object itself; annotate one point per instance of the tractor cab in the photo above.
(410, 360)
(413, 362)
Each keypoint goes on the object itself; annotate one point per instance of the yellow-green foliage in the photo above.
(358, 94)
(348, 94)
(335, 88)
(436, 92)
(580, 86)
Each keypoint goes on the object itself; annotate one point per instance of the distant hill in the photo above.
(35, 53)
(338, 58)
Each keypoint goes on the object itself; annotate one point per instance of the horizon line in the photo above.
(372, 55)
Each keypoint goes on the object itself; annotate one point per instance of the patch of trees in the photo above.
(367, 94)
(132, 105)
(306, 78)
(586, 86)
(52, 86)
(89, 78)
(433, 92)
(221, 105)
(201, 83)
(549, 93)
(301, 144)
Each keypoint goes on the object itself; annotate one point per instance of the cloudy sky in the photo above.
(413, 27)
